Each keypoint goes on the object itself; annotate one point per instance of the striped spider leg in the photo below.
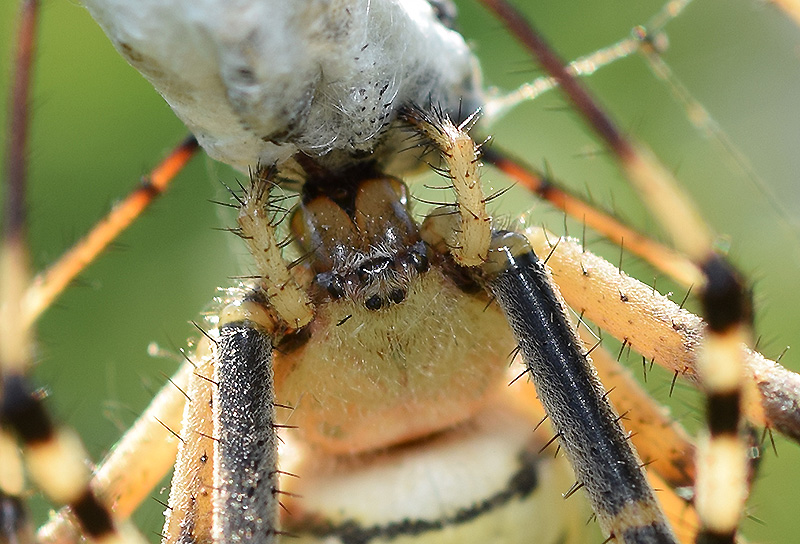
(724, 461)
(229, 272)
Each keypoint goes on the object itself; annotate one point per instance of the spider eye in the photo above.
(332, 283)
(374, 303)
(397, 296)
(418, 258)
(336, 286)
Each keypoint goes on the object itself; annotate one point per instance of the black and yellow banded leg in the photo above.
(56, 460)
(723, 474)
(126, 477)
(723, 467)
(661, 442)
(604, 461)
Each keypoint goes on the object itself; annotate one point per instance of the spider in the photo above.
(120, 351)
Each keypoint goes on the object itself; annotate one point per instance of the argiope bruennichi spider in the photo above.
(734, 79)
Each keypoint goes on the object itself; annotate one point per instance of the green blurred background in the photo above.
(98, 127)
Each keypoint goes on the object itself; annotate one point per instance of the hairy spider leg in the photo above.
(723, 470)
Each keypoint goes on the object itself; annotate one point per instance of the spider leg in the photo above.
(723, 484)
(50, 283)
(55, 456)
(257, 220)
(661, 442)
(572, 395)
(190, 510)
(669, 336)
(126, 476)
(246, 442)
(469, 242)
(15, 352)
(663, 258)
(225, 485)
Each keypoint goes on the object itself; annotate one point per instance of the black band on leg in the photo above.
(94, 517)
(723, 411)
(726, 302)
(711, 537)
(570, 391)
(246, 480)
(23, 412)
